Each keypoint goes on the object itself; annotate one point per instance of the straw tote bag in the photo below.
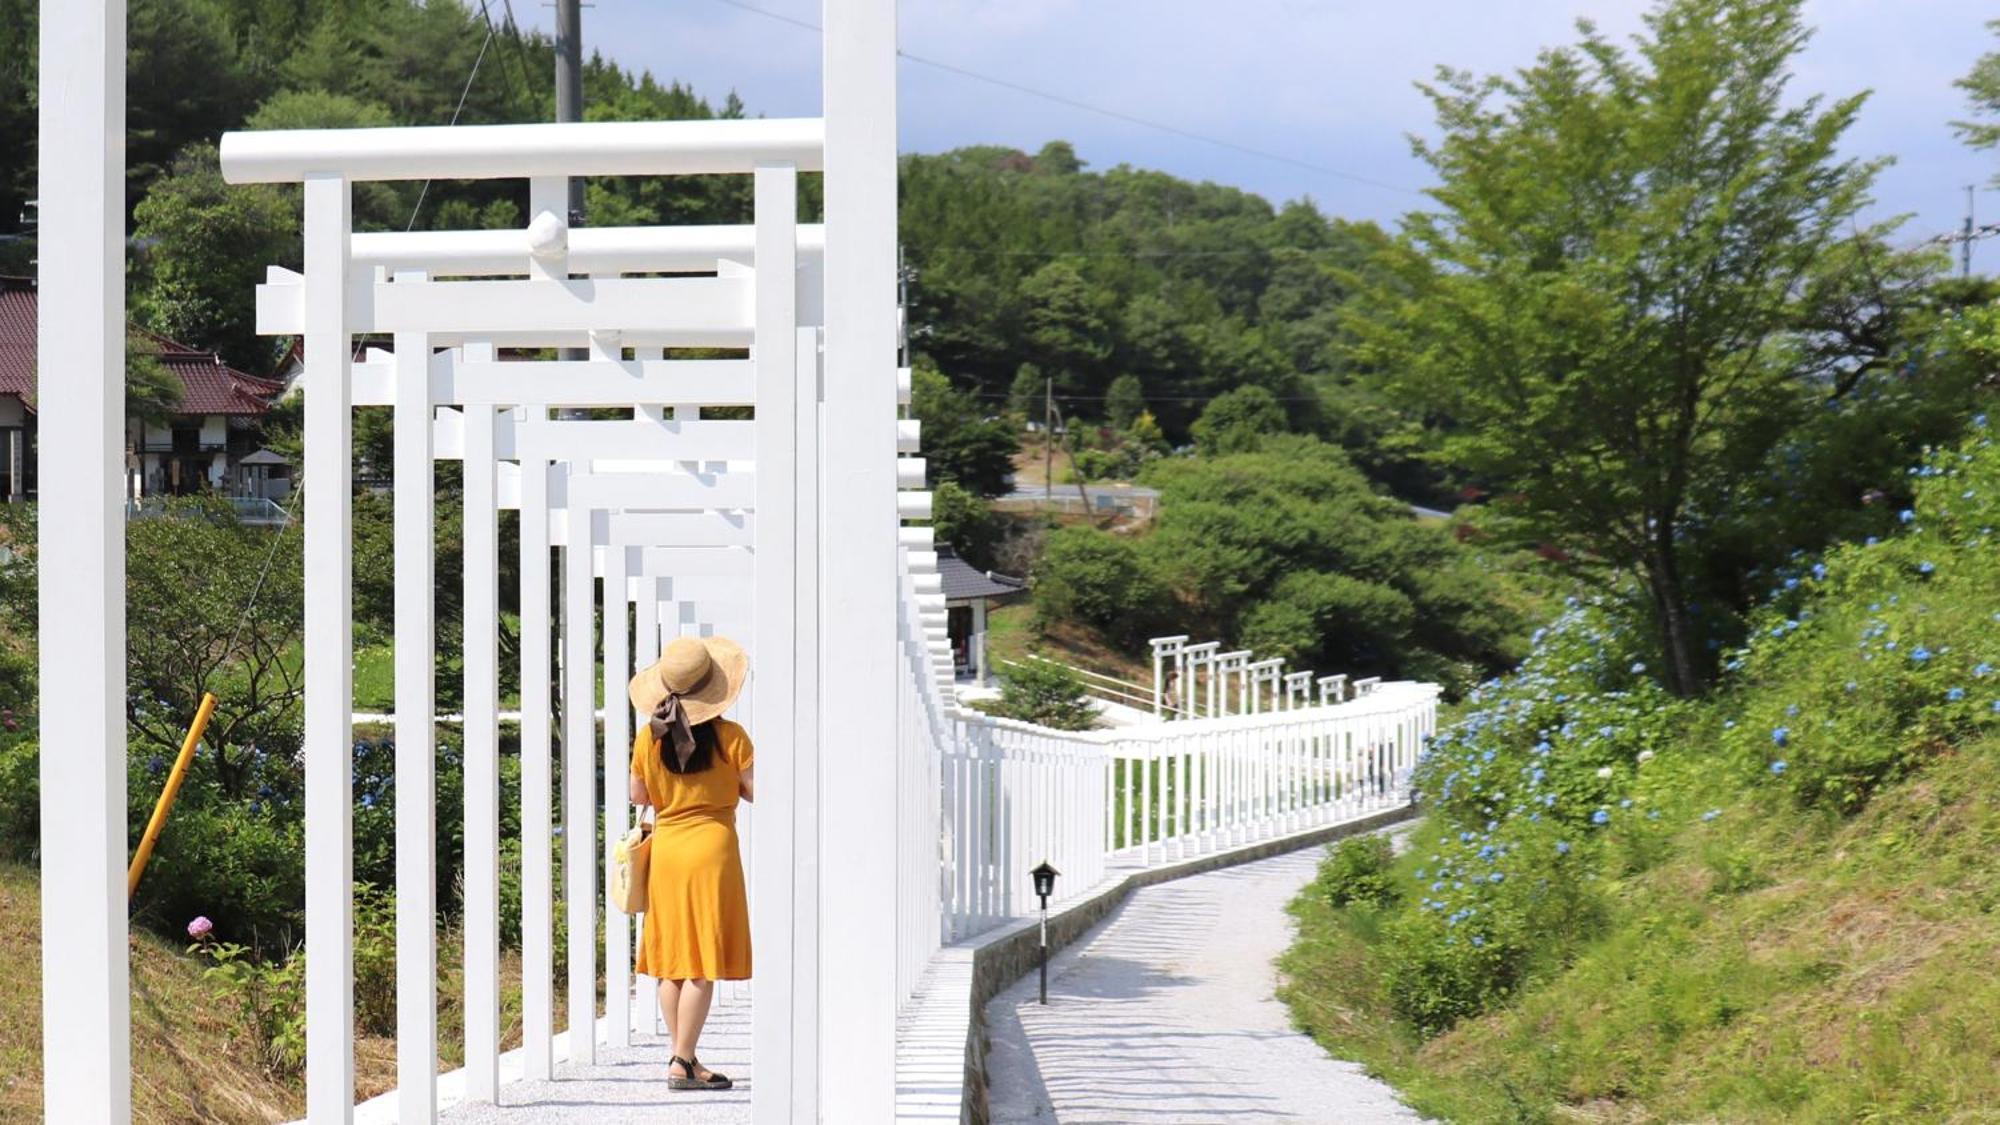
(633, 858)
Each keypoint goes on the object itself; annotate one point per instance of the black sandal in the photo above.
(714, 1081)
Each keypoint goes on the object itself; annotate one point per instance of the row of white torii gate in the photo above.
(781, 527)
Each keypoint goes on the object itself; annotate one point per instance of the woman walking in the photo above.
(691, 765)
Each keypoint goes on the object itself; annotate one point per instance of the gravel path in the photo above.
(630, 1085)
(1165, 1013)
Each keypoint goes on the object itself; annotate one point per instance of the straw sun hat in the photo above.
(705, 674)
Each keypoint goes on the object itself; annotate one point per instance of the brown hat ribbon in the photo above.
(669, 721)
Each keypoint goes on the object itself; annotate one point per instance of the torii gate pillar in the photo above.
(856, 1068)
(86, 1001)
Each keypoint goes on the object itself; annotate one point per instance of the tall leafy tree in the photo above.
(1608, 300)
(1982, 89)
(961, 443)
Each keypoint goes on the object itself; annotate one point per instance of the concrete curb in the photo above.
(1006, 954)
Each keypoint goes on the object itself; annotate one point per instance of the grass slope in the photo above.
(1782, 966)
(191, 1057)
(1819, 945)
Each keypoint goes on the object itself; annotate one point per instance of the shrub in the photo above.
(1097, 579)
(375, 958)
(1037, 691)
(1357, 871)
(272, 995)
(1238, 421)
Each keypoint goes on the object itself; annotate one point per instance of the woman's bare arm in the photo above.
(638, 791)
(747, 785)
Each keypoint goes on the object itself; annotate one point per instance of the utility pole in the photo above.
(569, 107)
(1965, 247)
(1049, 440)
(569, 85)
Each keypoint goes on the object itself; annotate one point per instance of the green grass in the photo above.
(1780, 966)
(191, 1058)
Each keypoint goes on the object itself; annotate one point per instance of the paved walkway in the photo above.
(1165, 1013)
(629, 1086)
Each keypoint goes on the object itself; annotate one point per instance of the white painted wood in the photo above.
(624, 382)
(479, 152)
(617, 803)
(858, 1001)
(809, 599)
(85, 986)
(482, 759)
(669, 311)
(537, 793)
(592, 250)
(580, 806)
(329, 658)
(775, 640)
(416, 756)
(638, 439)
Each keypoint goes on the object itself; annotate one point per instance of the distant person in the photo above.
(692, 766)
(1172, 694)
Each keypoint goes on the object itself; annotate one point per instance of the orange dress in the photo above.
(697, 914)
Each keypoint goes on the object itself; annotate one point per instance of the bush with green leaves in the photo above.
(1096, 579)
(1044, 693)
(1357, 870)
(271, 993)
(1579, 770)
(1886, 652)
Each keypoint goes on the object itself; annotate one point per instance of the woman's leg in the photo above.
(696, 995)
(670, 1007)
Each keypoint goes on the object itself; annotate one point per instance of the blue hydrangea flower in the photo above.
(1601, 816)
(1920, 654)
(1711, 814)
(1906, 515)
(1782, 736)
(1983, 670)
(1562, 847)
(1955, 694)
(1926, 567)
(1778, 768)
(1495, 877)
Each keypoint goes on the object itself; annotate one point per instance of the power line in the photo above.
(1088, 107)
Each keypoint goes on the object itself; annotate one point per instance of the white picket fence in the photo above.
(1011, 795)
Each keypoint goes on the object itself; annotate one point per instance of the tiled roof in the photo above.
(961, 580)
(208, 386)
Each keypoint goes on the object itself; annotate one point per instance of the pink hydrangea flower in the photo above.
(201, 927)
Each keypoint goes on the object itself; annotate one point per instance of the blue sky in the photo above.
(1326, 82)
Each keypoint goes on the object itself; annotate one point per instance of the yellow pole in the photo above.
(167, 795)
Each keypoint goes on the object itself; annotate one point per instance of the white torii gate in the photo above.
(824, 458)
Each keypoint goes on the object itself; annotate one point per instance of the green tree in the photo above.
(207, 247)
(1238, 422)
(964, 520)
(151, 391)
(192, 626)
(1065, 330)
(1608, 302)
(960, 442)
(1095, 579)
(1982, 89)
(1027, 393)
(1125, 401)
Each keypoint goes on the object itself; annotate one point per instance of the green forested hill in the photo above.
(1025, 268)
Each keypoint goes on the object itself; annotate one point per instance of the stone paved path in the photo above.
(629, 1087)
(1166, 1013)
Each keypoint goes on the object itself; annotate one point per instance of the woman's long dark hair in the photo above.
(707, 743)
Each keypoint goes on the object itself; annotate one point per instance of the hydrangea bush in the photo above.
(1578, 770)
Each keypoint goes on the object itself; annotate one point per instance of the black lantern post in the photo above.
(1045, 885)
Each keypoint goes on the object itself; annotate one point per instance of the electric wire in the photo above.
(1089, 107)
